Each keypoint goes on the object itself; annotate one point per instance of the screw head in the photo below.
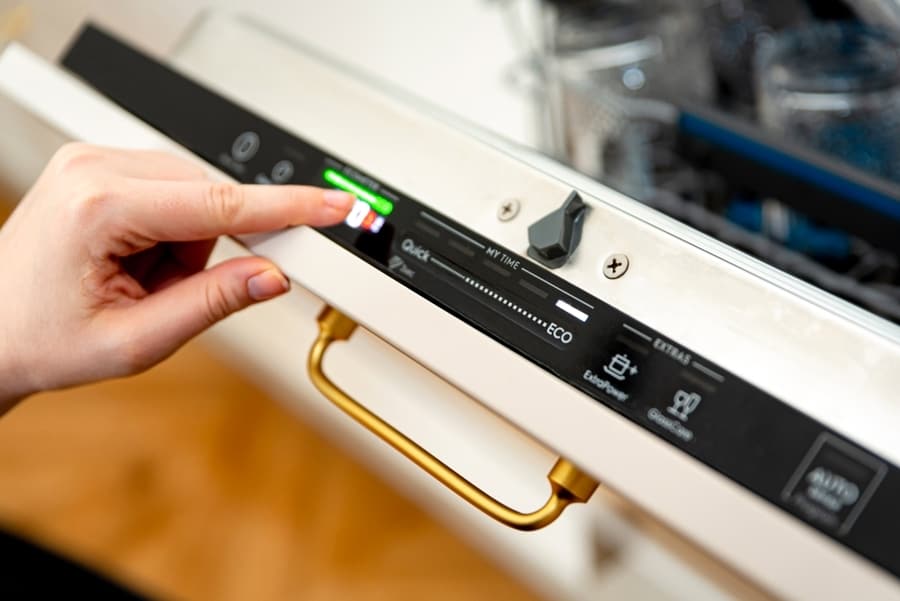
(615, 266)
(508, 209)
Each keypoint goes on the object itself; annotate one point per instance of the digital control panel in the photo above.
(785, 457)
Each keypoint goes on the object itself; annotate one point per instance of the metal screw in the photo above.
(508, 209)
(615, 266)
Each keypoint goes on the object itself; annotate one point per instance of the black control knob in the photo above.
(553, 238)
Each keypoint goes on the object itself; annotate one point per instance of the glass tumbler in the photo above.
(608, 55)
(835, 88)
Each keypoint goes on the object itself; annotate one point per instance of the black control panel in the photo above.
(831, 483)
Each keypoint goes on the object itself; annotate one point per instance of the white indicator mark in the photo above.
(576, 313)
(570, 295)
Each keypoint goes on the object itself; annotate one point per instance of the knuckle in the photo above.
(217, 302)
(75, 156)
(224, 201)
(83, 191)
(90, 198)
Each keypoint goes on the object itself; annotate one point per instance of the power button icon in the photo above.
(245, 146)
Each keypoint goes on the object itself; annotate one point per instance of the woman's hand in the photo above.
(102, 265)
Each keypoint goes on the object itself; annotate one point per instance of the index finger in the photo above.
(199, 210)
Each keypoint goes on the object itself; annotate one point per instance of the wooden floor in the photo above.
(193, 484)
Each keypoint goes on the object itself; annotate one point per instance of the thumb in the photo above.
(162, 322)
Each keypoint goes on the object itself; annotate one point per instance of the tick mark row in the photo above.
(506, 302)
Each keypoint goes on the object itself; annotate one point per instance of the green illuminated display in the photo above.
(379, 204)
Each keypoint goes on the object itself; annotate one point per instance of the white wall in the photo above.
(452, 53)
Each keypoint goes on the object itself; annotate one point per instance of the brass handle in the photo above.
(568, 484)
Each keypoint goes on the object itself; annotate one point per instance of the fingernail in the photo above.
(268, 284)
(338, 199)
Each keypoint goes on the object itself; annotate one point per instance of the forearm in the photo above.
(14, 385)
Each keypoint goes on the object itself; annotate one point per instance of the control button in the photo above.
(245, 146)
(553, 238)
(415, 250)
(677, 414)
(377, 224)
(282, 172)
(357, 214)
(834, 483)
(620, 367)
(684, 403)
(398, 265)
(614, 378)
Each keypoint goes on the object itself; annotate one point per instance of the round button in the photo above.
(245, 146)
(282, 172)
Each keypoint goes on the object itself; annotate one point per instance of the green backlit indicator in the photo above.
(379, 204)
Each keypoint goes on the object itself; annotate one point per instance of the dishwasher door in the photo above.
(407, 364)
(601, 551)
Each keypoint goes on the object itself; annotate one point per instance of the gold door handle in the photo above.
(568, 484)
